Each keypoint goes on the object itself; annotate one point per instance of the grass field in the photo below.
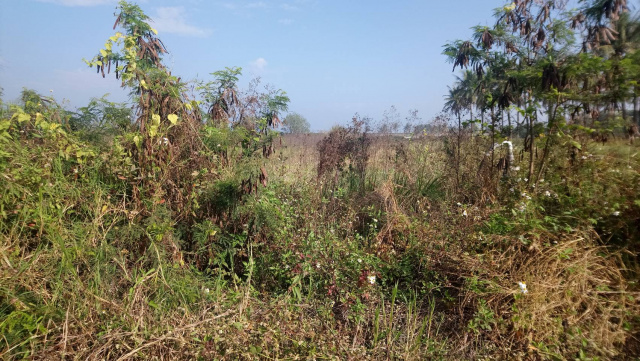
(407, 263)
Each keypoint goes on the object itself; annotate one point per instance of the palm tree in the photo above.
(455, 103)
(467, 84)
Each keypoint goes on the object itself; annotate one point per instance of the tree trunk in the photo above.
(493, 140)
(531, 144)
(458, 156)
(473, 125)
(636, 115)
(509, 124)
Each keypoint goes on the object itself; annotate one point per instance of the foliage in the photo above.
(296, 124)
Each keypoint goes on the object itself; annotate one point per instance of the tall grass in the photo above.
(286, 272)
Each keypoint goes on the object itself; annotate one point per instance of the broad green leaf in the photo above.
(173, 118)
(103, 52)
(155, 119)
(22, 117)
(153, 130)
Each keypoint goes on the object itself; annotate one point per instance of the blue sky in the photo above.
(333, 58)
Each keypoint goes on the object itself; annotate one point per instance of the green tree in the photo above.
(295, 123)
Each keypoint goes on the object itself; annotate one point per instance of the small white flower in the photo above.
(516, 168)
(359, 260)
(526, 179)
(372, 279)
(616, 213)
(165, 141)
(318, 265)
(547, 194)
(523, 287)
(522, 207)
(206, 290)
(464, 213)
(375, 220)
(459, 205)
(542, 180)
(512, 190)
(584, 157)
(218, 145)
(528, 197)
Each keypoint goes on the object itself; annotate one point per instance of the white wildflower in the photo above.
(359, 260)
(523, 287)
(584, 157)
(459, 204)
(318, 265)
(165, 141)
(616, 213)
(372, 279)
(522, 207)
(516, 168)
(547, 194)
(464, 213)
(375, 220)
(206, 290)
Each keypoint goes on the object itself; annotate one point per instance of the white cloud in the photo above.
(78, 2)
(289, 7)
(256, 5)
(173, 20)
(285, 21)
(230, 6)
(259, 65)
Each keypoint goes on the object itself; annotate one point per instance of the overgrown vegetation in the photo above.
(188, 229)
